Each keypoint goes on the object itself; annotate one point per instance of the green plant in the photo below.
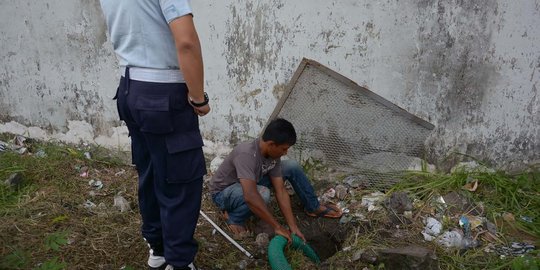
(55, 240)
(52, 264)
(17, 260)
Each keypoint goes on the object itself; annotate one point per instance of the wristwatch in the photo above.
(202, 103)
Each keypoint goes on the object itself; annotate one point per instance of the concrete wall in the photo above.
(469, 67)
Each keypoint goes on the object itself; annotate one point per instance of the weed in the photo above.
(55, 240)
(18, 259)
(52, 264)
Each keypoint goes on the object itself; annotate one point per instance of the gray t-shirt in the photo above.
(244, 162)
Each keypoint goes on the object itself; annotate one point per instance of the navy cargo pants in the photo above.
(166, 149)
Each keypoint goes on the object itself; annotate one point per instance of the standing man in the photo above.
(160, 97)
(240, 186)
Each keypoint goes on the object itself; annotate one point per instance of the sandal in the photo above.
(329, 211)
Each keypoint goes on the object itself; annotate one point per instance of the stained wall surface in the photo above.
(471, 68)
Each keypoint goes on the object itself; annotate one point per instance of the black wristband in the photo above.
(200, 104)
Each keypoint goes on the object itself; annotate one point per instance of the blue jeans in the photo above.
(231, 199)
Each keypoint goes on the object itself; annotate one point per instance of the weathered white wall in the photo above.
(469, 67)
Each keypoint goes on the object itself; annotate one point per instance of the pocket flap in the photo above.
(152, 103)
(179, 142)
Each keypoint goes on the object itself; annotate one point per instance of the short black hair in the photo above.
(280, 131)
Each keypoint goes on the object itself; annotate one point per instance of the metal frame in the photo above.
(305, 62)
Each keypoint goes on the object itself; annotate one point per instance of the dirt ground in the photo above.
(65, 214)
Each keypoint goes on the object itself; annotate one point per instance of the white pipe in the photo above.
(226, 236)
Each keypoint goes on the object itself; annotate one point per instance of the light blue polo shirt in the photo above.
(139, 31)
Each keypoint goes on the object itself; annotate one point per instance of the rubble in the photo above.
(409, 257)
(121, 203)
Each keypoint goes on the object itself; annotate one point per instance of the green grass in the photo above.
(500, 192)
(41, 216)
(44, 226)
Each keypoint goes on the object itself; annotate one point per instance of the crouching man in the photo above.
(241, 185)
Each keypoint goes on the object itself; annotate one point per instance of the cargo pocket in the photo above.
(185, 161)
(153, 114)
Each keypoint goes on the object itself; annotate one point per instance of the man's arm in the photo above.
(257, 205)
(189, 54)
(284, 202)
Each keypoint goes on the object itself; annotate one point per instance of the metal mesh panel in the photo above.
(348, 127)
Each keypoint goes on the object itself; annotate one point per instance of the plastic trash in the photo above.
(476, 222)
(371, 201)
(19, 140)
(450, 239)
(95, 184)
(527, 219)
(432, 230)
(515, 249)
(465, 225)
(3, 146)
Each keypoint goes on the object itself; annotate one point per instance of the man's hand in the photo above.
(298, 233)
(285, 205)
(201, 111)
(280, 230)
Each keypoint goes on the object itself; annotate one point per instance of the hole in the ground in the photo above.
(325, 236)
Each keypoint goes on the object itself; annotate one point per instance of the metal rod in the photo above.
(226, 235)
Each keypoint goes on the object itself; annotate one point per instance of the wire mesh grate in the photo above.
(349, 128)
